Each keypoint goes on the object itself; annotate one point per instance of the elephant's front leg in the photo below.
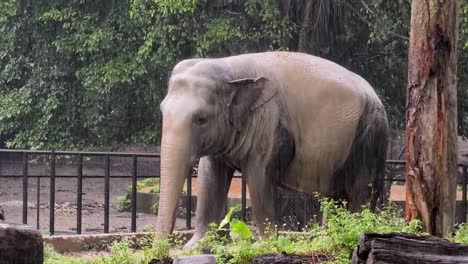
(214, 179)
(260, 184)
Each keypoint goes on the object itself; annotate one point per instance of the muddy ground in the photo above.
(11, 191)
(65, 207)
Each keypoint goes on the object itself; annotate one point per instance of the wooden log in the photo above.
(2, 214)
(407, 248)
(199, 259)
(20, 244)
(282, 258)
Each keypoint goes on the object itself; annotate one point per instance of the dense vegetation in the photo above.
(90, 74)
(336, 240)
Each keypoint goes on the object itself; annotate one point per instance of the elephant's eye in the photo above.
(201, 120)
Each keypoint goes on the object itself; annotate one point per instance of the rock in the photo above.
(20, 244)
(200, 259)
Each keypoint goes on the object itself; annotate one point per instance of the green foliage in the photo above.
(52, 257)
(149, 182)
(343, 229)
(461, 234)
(121, 252)
(123, 202)
(462, 71)
(153, 182)
(238, 229)
(91, 74)
(338, 237)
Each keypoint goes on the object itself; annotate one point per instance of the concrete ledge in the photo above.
(76, 243)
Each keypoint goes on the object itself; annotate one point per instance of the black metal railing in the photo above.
(79, 188)
(52, 158)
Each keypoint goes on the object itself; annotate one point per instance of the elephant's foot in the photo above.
(193, 242)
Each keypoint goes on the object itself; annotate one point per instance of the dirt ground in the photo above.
(11, 190)
(65, 207)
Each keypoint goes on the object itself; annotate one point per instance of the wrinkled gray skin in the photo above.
(322, 124)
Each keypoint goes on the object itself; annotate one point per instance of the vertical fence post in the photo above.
(79, 193)
(134, 191)
(106, 194)
(52, 194)
(38, 202)
(244, 198)
(25, 188)
(188, 213)
(464, 192)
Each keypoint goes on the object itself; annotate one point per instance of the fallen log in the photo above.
(282, 258)
(405, 248)
(20, 244)
(2, 214)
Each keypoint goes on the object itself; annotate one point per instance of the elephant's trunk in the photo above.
(175, 165)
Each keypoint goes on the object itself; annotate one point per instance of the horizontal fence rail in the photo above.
(133, 175)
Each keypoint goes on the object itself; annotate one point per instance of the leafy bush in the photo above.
(337, 238)
(343, 228)
(461, 235)
(154, 182)
(52, 257)
(122, 252)
(123, 202)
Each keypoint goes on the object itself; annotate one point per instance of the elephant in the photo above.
(322, 126)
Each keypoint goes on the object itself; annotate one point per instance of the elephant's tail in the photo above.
(360, 179)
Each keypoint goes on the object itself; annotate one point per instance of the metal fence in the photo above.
(302, 208)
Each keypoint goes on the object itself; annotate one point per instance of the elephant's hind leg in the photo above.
(360, 179)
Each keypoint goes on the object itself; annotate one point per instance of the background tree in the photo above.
(90, 74)
(431, 153)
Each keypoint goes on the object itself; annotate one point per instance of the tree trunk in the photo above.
(20, 244)
(431, 133)
(2, 214)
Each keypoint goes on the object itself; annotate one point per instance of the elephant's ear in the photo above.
(246, 95)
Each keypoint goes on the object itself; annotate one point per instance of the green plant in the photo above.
(337, 238)
(461, 234)
(153, 182)
(238, 229)
(52, 257)
(160, 249)
(342, 229)
(123, 202)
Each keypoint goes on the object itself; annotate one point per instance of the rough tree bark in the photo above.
(402, 248)
(431, 132)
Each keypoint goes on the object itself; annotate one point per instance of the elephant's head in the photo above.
(205, 106)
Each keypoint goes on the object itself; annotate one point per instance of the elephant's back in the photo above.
(324, 103)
